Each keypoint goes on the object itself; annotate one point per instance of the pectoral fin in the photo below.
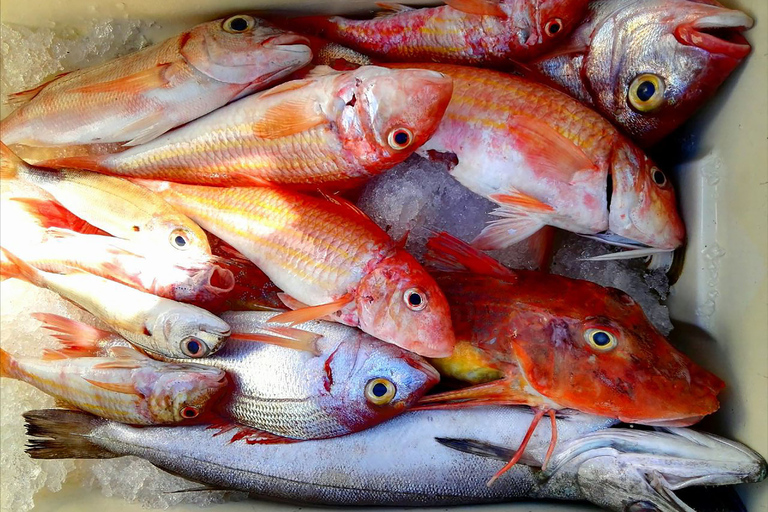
(288, 337)
(305, 314)
(141, 82)
(127, 389)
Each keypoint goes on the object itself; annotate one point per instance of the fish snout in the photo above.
(718, 32)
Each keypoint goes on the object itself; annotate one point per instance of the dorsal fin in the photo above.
(448, 253)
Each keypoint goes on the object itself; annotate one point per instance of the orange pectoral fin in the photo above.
(289, 117)
(448, 253)
(305, 314)
(77, 337)
(143, 81)
(481, 7)
(287, 337)
(521, 216)
(127, 389)
(497, 392)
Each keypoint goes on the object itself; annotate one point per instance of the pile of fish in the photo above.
(263, 334)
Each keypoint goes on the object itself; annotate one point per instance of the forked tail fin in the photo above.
(63, 434)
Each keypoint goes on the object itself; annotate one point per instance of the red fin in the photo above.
(78, 337)
(7, 364)
(54, 355)
(498, 392)
(291, 116)
(19, 269)
(299, 316)
(351, 208)
(448, 253)
(143, 81)
(521, 449)
(288, 337)
(522, 216)
(126, 389)
(541, 247)
(248, 434)
(481, 7)
(18, 99)
(388, 9)
(50, 214)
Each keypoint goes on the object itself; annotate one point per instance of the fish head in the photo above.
(182, 392)
(542, 24)
(642, 205)
(371, 381)
(244, 50)
(399, 302)
(190, 332)
(651, 64)
(640, 471)
(597, 352)
(389, 113)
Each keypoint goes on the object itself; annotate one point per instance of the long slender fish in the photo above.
(130, 388)
(471, 32)
(411, 460)
(648, 65)
(331, 131)
(326, 254)
(135, 98)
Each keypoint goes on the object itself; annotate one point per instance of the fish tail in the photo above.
(7, 365)
(10, 164)
(14, 267)
(63, 434)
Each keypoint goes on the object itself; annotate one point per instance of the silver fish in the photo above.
(409, 461)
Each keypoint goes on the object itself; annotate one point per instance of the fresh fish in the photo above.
(155, 324)
(325, 253)
(553, 342)
(648, 65)
(548, 160)
(415, 460)
(140, 96)
(472, 32)
(129, 388)
(331, 131)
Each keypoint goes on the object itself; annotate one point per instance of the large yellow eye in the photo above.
(180, 239)
(400, 138)
(646, 92)
(415, 299)
(600, 339)
(380, 391)
(238, 24)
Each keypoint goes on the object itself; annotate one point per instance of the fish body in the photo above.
(546, 159)
(420, 459)
(155, 324)
(327, 254)
(507, 31)
(317, 395)
(138, 97)
(135, 389)
(648, 65)
(331, 131)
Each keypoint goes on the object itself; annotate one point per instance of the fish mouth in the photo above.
(719, 33)
(288, 42)
(221, 280)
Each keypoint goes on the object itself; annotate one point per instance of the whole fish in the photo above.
(471, 32)
(129, 388)
(648, 65)
(553, 342)
(418, 459)
(140, 96)
(326, 254)
(331, 131)
(548, 160)
(155, 324)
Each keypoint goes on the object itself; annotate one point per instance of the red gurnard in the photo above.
(328, 257)
(474, 32)
(329, 131)
(554, 343)
(546, 159)
(138, 97)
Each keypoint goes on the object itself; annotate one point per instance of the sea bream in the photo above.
(135, 98)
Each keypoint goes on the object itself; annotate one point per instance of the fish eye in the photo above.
(400, 138)
(600, 339)
(553, 27)
(380, 391)
(180, 239)
(646, 93)
(658, 176)
(189, 412)
(192, 347)
(415, 299)
(238, 24)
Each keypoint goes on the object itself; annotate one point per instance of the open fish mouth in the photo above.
(290, 42)
(719, 33)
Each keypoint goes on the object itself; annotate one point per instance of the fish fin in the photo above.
(522, 214)
(50, 214)
(63, 434)
(290, 302)
(299, 316)
(78, 337)
(150, 128)
(320, 71)
(448, 253)
(89, 162)
(63, 404)
(137, 83)
(7, 364)
(10, 163)
(521, 449)
(340, 201)
(288, 117)
(495, 392)
(541, 247)
(20, 269)
(199, 489)
(481, 7)
(547, 151)
(388, 9)
(18, 99)
(253, 436)
(128, 353)
(287, 337)
(572, 47)
(54, 355)
(479, 448)
(126, 389)
(117, 365)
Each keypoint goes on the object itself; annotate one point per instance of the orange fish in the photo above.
(552, 342)
(330, 131)
(140, 96)
(328, 257)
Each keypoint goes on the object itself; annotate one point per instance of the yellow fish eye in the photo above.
(400, 138)
(238, 24)
(179, 239)
(646, 93)
(600, 339)
(415, 299)
(380, 391)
